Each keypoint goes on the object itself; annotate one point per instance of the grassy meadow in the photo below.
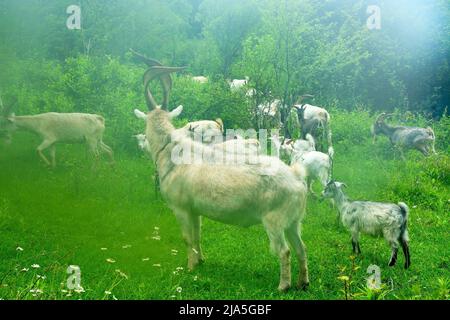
(128, 245)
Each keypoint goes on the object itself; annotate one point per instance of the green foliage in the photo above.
(286, 47)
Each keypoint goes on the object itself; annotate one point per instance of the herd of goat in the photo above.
(271, 191)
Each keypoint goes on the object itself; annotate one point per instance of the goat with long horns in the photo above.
(244, 194)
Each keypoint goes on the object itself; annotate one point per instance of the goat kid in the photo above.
(373, 218)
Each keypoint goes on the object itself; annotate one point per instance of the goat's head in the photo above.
(333, 188)
(141, 140)
(376, 128)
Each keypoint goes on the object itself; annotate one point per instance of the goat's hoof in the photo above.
(284, 287)
(407, 265)
(303, 286)
(392, 263)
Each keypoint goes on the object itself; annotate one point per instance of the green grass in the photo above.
(65, 216)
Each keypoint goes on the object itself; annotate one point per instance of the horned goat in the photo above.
(268, 192)
(56, 128)
(373, 218)
(316, 122)
(421, 139)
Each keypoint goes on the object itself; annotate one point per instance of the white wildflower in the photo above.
(121, 274)
(80, 289)
(35, 266)
(179, 289)
(19, 249)
(145, 259)
(109, 260)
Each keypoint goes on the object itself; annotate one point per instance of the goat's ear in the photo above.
(140, 115)
(176, 112)
(340, 184)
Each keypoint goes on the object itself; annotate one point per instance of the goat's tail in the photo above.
(403, 238)
(405, 213)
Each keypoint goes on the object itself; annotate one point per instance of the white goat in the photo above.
(206, 131)
(374, 218)
(200, 79)
(283, 148)
(238, 145)
(56, 128)
(316, 122)
(238, 84)
(318, 165)
(268, 192)
(142, 142)
(269, 114)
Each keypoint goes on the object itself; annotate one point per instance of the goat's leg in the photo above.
(423, 149)
(279, 246)
(107, 149)
(433, 150)
(405, 248)
(93, 149)
(197, 224)
(294, 237)
(187, 223)
(393, 259)
(44, 145)
(310, 186)
(53, 155)
(402, 154)
(355, 243)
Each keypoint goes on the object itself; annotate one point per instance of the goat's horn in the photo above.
(381, 117)
(165, 79)
(163, 73)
